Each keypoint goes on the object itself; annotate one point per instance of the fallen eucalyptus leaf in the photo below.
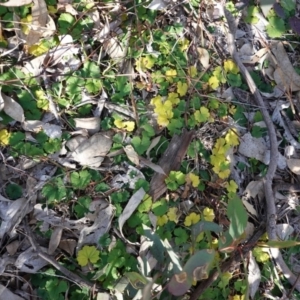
(132, 155)
(254, 276)
(12, 108)
(39, 14)
(55, 239)
(285, 75)
(131, 206)
(15, 3)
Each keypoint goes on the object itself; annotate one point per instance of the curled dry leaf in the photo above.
(250, 208)
(14, 215)
(132, 155)
(50, 28)
(63, 54)
(260, 55)
(49, 217)
(254, 189)
(93, 151)
(91, 124)
(154, 142)
(294, 165)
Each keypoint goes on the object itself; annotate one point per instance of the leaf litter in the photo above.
(91, 172)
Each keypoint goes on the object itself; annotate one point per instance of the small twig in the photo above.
(267, 180)
(288, 296)
(52, 106)
(73, 277)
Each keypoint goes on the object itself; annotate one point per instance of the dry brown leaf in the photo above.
(55, 239)
(294, 165)
(203, 57)
(92, 152)
(158, 169)
(132, 155)
(91, 124)
(16, 3)
(12, 108)
(171, 160)
(254, 276)
(5, 293)
(68, 245)
(39, 21)
(12, 248)
(284, 75)
(131, 206)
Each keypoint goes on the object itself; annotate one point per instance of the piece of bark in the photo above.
(170, 161)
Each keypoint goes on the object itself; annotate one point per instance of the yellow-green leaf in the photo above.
(192, 71)
(191, 219)
(88, 254)
(38, 49)
(202, 115)
(213, 82)
(208, 214)
(193, 179)
(182, 88)
(162, 220)
(231, 186)
(173, 214)
(232, 137)
(230, 67)
(4, 137)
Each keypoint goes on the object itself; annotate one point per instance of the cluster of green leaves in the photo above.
(281, 18)
(113, 263)
(58, 190)
(197, 240)
(49, 287)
